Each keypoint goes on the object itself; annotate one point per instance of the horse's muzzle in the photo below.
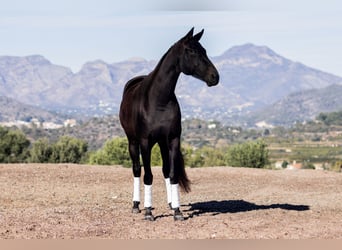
(213, 78)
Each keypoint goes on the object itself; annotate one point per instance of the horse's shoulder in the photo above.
(134, 81)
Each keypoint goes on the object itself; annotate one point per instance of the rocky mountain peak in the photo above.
(250, 55)
(37, 60)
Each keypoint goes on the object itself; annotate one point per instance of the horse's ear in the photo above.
(189, 35)
(198, 36)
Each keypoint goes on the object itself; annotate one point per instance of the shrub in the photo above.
(68, 150)
(41, 151)
(205, 157)
(337, 166)
(114, 152)
(308, 165)
(253, 154)
(193, 158)
(156, 158)
(13, 146)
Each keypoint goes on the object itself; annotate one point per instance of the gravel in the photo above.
(66, 201)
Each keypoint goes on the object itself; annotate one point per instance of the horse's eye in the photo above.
(190, 51)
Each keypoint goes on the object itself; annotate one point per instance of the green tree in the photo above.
(68, 150)
(284, 164)
(214, 157)
(205, 156)
(156, 159)
(13, 146)
(193, 158)
(308, 165)
(41, 151)
(253, 154)
(333, 118)
(114, 152)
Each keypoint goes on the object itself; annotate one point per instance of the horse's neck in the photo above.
(164, 78)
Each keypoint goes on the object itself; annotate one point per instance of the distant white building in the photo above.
(36, 122)
(70, 123)
(212, 126)
(264, 124)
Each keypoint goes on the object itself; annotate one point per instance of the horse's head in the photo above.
(194, 60)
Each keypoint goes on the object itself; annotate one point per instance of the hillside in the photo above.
(251, 78)
(300, 106)
(14, 111)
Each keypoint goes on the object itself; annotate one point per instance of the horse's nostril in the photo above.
(215, 77)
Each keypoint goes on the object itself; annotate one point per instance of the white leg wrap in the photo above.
(168, 190)
(175, 196)
(148, 196)
(136, 189)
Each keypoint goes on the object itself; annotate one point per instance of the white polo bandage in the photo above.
(168, 190)
(136, 189)
(175, 196)
(148, 196)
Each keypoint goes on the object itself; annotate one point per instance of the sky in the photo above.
(73, 32)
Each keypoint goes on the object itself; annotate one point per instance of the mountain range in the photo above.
(256, 84)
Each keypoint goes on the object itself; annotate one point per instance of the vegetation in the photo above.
(114, 152)
(252, 154)
(65, 150)
(205, 156)
(338, 166)
(205, 143)
(333, 118)
(13, 146)
(95, 131)
(41, 151)
(68, 149)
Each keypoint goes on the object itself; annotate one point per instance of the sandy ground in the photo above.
(76, 201)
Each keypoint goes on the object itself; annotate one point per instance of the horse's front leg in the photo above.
(148, 178)
(175, 165)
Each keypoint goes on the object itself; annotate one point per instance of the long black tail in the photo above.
(184, 182)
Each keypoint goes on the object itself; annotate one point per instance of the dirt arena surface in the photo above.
(65, 201)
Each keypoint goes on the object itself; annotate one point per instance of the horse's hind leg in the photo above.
(164, 150)
(148, 178)
(175, 164)
(134, 153)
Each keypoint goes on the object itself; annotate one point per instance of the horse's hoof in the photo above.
(178, 216)
(148, 214)
(135, 209)
(149, 217)
(170, 206)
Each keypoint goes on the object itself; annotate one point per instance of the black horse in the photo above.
(150, 114)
